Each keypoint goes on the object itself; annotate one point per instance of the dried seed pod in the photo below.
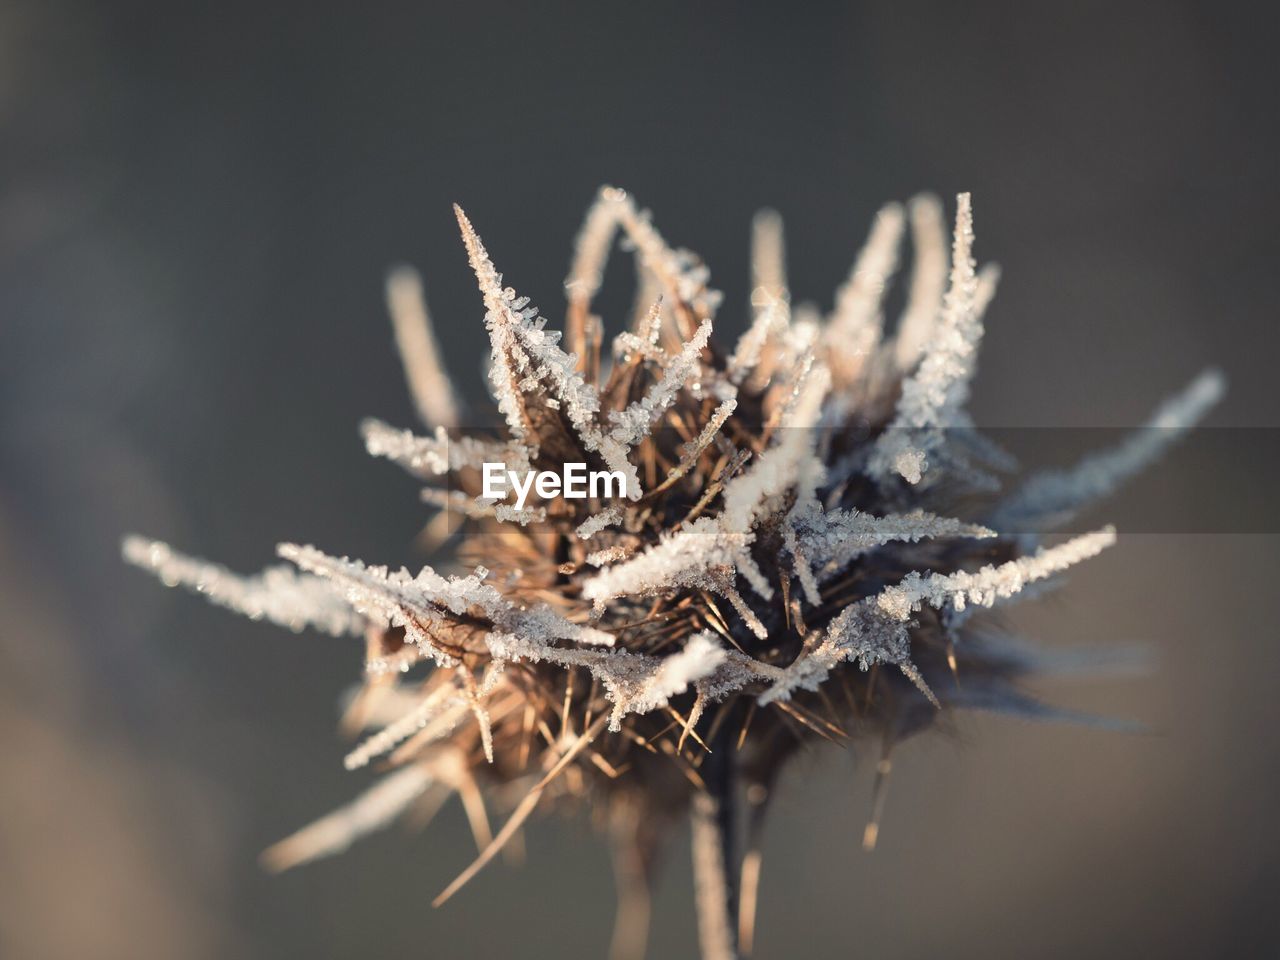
(782, 568)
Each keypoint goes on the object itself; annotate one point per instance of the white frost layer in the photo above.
(992, 582)
(279, 594)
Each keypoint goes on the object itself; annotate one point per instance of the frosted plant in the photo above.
(787, 566)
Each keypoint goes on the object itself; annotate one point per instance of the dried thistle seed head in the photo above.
(786, 566)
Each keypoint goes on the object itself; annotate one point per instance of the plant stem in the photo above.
(715, 866)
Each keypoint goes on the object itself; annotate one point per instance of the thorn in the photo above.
(951, 661)
(746, 724)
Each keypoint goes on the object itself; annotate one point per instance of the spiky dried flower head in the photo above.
(785, 566)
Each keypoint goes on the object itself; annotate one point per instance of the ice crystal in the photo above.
(593, 525)
(991, 583)
(402, 600)
(634, 682)
(279, 594)
(704, 545)
(633, 424)
(445, 702)
(436, 455)
(933, 396)
(788, 531)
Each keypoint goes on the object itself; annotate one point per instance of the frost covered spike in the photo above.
(435, 456)
(933, 397)
(835, 537)
(991, 583)
(279, 594)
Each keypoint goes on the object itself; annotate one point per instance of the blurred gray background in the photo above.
(197, 207)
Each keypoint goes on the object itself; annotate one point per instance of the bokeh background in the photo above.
(197, 206)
